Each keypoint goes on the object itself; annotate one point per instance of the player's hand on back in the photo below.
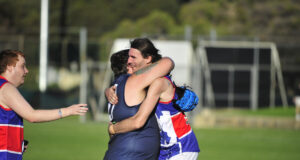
(111, 95)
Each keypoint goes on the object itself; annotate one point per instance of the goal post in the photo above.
(240, 73)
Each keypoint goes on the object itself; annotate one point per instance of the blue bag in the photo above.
(187, 100)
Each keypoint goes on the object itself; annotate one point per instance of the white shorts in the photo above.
(186, 156)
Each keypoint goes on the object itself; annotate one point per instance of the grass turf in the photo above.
(287, 112)
(67, 139)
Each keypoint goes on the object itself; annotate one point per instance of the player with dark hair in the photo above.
(142, 143)
(177, 139)
(117, 61)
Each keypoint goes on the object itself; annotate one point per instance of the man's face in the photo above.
(129, 69)
(19, 71)
(135, 60)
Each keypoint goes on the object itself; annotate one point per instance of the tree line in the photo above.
(104, 17)
(109, 19)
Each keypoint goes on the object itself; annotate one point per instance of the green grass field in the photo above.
(67, 139)
(266, 112)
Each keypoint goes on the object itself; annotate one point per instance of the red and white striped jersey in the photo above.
(11, 132)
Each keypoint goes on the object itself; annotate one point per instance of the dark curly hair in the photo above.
(118, 62)
(146, 47)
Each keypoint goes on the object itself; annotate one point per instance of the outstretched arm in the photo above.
(11, 97)
(139, 119)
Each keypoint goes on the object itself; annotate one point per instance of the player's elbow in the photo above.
(32, 120)
(169, 62)
(139, 123)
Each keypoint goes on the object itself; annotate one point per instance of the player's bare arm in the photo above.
(145, 76)
(14, 100)
(145, 69)
(139, 119)
(110, 94)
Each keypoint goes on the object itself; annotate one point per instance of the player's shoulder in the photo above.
(160, 82)
(6, 85)
(8, 88)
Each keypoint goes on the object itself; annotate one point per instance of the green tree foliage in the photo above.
(110, 19)
(156, 23)
(276, 17)
(242, 17)
(101, 16)
(19, 16)
(238, 17)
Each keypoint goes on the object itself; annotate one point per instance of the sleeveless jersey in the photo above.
(11, 132)
(176, 135)
(135, 145)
